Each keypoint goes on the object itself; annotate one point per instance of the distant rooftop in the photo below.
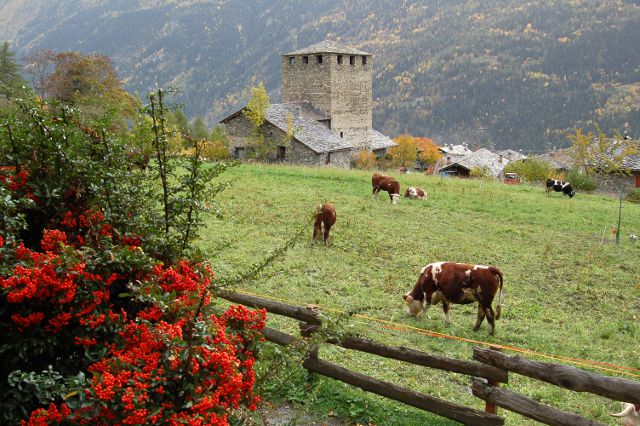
(481, 158)
(327, 47)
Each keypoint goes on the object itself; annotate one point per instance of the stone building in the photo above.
(327, 102)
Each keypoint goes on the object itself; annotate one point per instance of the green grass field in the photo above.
(566, 291)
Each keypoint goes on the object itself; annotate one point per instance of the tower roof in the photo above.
(327, 46)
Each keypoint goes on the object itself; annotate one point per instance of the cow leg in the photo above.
(327, 228)
(491, 319)
(480, 317)
(316, 231)
(445, 309)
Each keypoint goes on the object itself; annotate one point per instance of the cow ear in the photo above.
(407, 298)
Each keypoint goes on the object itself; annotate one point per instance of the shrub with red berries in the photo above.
(104, 320)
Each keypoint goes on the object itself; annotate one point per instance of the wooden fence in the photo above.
(489, 369)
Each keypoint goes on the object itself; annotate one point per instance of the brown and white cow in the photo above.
(386, 183)
(462, 283)
(325, 218)
(630, 414)
(415, 193)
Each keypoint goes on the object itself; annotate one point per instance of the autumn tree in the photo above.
(82, 80)
(597, 153)
(256, 112)
(405, 152)
(10, 77)
(217, 147)
(428, 153)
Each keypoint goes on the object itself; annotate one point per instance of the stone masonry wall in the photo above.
(239, 129)
(352, 99)
(613, 184)
(343, 90)
(307, 82)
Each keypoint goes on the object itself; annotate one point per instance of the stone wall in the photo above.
(310, 82)
(341, 86)
(613, 184)
(239, 130)
(352, 99)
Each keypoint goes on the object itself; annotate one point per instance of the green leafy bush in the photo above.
(94, 278)
(633, 196)
(581, 181)
(530, 170)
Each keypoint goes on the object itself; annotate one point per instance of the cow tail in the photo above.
(499, 307)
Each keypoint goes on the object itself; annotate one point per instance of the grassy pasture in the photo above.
(566, 292)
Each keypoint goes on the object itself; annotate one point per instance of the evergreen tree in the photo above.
(181, 122)
(199, 129)
(10, 77)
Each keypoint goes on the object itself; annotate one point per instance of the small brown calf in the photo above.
(325, 219)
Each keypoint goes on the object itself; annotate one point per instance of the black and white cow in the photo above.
(559, 186)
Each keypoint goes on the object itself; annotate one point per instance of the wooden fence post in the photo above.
(307, 329)
(489, 407)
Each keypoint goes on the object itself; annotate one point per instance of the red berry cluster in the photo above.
(170, 362)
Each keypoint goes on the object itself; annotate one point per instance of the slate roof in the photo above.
(481, 158)
(456, 150)
(560, 159)
(632, 163)
(327, 46)
(380, 141)
(512, 155)
(307, 130)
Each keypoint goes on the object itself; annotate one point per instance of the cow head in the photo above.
(414, 307)
(395, 198)
(413, 193)
(629, 416)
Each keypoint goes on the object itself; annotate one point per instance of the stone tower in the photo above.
(337, 81)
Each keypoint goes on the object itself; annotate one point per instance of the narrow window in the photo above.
(282, 150)
(352, 60)
(339, 59)
(292, 60)
(319, 58)
(364, 60)
(305, 59)
(341, 134)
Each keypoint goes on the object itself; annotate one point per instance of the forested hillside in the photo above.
(509, 73)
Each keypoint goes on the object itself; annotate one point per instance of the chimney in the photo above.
(500, 158)
(448, 160)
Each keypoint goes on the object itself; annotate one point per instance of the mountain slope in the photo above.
(509, 73)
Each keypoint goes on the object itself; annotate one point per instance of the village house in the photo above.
(452, 153)
(490, 162)
(327, 103)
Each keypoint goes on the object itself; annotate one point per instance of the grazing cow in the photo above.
(415, 193)
(559, 186)
(630, 414)
(461, 283)
(386, 183)
(325, 218)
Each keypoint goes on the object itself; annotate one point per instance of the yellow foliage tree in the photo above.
(366, 160)
(405, 152)
(428, 152)
(596, 153)
(256, 112)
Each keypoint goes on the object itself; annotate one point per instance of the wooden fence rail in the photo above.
(527, 407)
(563, 376)
(424, 359)
(460, 413)
(490, 368)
